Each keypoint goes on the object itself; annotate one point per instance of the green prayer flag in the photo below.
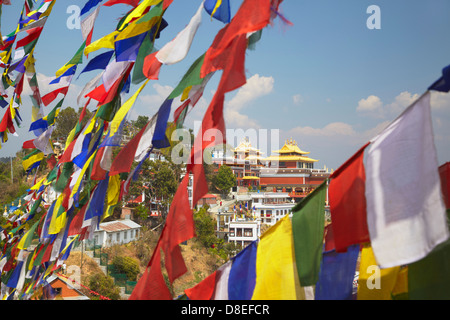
(78, 57)
(63, 179)
(52, 115)
(145, 49)
(308, 223)
(191, 78)
(429, 278)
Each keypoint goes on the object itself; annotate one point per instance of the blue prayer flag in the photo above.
(160, 140)
(242, 278)
(337, 271)
(443, 83)
(222, 13)
(99, 62)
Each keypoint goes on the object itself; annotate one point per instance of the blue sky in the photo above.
(328, 81)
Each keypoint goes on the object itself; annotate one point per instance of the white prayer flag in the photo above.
(405, 210)
(177, 49)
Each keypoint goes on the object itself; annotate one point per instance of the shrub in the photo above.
(127, 265)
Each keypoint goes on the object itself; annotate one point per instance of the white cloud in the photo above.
(440, 101)
(297, 99)
(332, 129)
(155, 100)
(257, 86)
(375, 108)
(401, 102)
(371, 106)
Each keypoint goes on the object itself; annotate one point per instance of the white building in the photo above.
(270, 207)
(244, 231)
(116, 232)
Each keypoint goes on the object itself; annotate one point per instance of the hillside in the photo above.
(199, 261)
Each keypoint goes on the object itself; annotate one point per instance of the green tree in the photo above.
(205, 227)
(66, 120)
(104, 285)
(140, 122)
(224, 180)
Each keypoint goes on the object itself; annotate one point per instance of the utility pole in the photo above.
(12, 176)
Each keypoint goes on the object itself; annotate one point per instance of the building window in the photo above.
(118, 237)
(125, 233)
(239, 232)
(248, 232)
(232, 230)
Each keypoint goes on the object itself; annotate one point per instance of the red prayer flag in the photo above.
(152, 66)
(179, 227)
(204, 289)
(98, 173)
(33, 34)
(444, 173)
(29, 144)
(123, 161)
(7, 122)
(132, 3)
(151, 286)
(348, 203)
(253, 15)
(49, 97)
(51, 161)
(77, 221)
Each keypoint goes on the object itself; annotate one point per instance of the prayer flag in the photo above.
(132, 3)
(405, 212)
(177, 49)
(32, 158)
(242, 278)
(348, 203)
(443, 83)
(275, 264)
(26, 239)
(337, 272)
(375, 283)
(428, 278)
(222, 281)
(218, 9)
(308, 220)
(134, 150)
(99, 62)
(203, 290)
(444, 173)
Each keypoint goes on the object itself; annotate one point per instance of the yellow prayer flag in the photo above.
(81, 174)
(185, 94)
(138, 11)
(32, 160)
(102, 43)
(122, 112)
(57, 222)
(375, 283)
(275, 265)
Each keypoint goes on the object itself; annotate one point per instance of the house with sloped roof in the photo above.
(116, 232)
(64, 289)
